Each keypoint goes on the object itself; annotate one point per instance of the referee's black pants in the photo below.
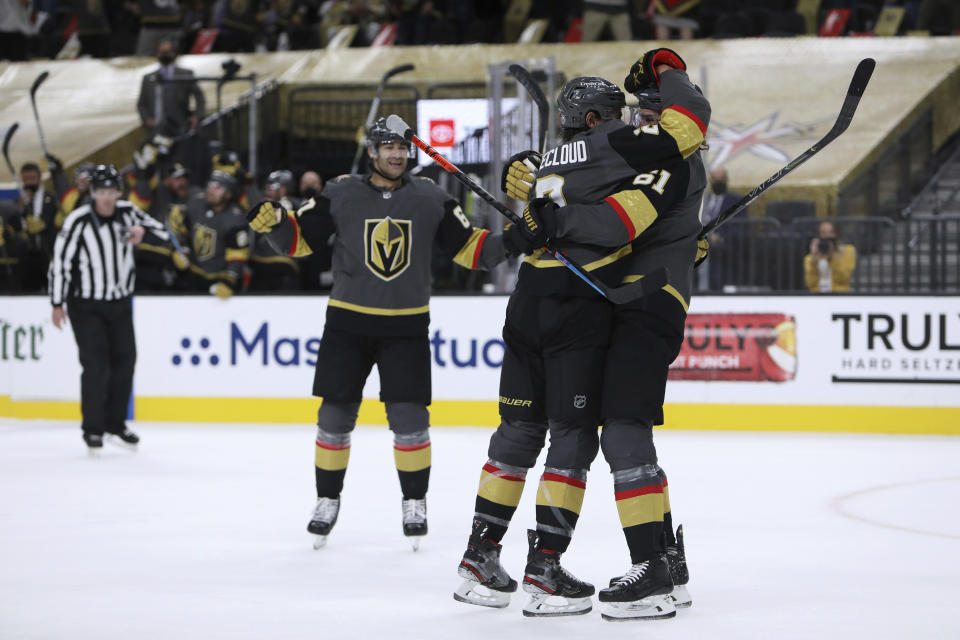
(108, 352)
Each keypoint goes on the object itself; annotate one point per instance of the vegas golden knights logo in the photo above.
(387, 246)
(204, 242)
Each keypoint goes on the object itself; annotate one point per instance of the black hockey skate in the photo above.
(415, 520)
(678, 571)
(553, 590)
(485, 582)
(324, 517)
(642, 593)
(126, 438)
(94, 442)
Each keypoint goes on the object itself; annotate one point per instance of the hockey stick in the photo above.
(650, 283)
(372, 114)
(524, 77)
(6, 151)
(36, 114)
(857, 86)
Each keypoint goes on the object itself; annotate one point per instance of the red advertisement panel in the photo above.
(735, 347)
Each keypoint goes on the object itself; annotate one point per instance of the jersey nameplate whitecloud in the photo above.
(574, 152)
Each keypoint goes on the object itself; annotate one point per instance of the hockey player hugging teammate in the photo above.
(607, 194)
(386, 224)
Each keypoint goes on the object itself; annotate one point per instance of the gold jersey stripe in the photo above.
(637, 207)
(467, 256)
(683, 129)
(331, 459)
(669, 288)
(143, 246)
(237, 255)
(561, 495)
(500, 490)
(640, 509)
(415, 460)
(540, 260)
(377, 311)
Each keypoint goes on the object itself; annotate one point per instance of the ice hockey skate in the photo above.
(323, 519)
(485, 582)
(126, 439)
(415, 520)
(642, 593)
(678, 571)
(94, 442)
(553, 590)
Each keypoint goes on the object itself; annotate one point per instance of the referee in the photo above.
(92, 272)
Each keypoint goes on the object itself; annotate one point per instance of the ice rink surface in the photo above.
(201, 534)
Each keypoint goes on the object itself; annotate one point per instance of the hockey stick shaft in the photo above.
(523, 76)
(857, 85)
(36, 114)
(6, 151)
(617, 295)
(372, 113)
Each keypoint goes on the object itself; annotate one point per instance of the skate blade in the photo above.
(319, 541)
(680, 597)
(117, 441)
(650, 608)
(415, 542)
(546, 606)
(472, 592)
(94, 452)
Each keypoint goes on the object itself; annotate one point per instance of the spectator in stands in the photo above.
(940, 17)
(159, 20)
(310, 184)
(93, 28)
(416, 20)
(214, 230)
(830, 264)
(165, 96)
(38, 225)
(238, 25)
(598, 14)
(718, 200)
(15, 29)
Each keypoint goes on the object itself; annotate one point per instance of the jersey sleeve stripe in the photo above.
(294, 244)
(686, 129)
(631, 231)
(634, 206)
(697, 121)
(469, 254)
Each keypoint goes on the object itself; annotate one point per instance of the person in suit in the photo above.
(718, 200)
(165, 96)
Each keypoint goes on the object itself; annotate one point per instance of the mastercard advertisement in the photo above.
(737, 347)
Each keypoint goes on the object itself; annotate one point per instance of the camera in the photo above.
(826, 245)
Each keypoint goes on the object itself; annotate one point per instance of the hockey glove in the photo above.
(703, 250)
(643, 73)
(520, 174)
(535, 228)
(221, 290)
(265, 216)
(146, 157)
(35, 224)
(180, 260)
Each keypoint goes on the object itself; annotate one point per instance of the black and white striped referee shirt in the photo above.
(92, 259)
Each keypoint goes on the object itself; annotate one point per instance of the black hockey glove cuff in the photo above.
(536, 227)
(643, 73)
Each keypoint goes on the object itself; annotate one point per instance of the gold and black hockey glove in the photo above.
(265, 216)
(703, 250)
(536, 227)
(643, 73)
(520, 174)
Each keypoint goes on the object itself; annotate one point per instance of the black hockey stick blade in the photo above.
(39, 81)
(524, 77)
(617, 295)
(403, 68)
(857, 86)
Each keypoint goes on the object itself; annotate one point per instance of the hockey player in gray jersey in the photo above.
(647, 335)
(386, 225)
(606, 184)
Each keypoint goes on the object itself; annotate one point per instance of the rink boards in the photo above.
(809, 363)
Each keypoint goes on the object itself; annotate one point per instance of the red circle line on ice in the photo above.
(840, 506)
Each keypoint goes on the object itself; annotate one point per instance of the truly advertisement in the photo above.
(741, 347)
(911, 347)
